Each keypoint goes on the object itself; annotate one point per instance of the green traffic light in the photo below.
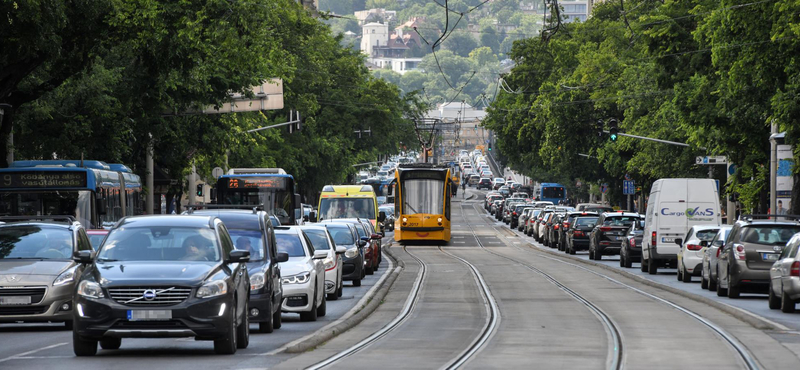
(613, 137)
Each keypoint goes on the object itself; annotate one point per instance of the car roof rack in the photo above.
(767, 217)
(196, 207)
(62, 218)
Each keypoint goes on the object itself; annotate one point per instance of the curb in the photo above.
(750, 318)
(324, 335)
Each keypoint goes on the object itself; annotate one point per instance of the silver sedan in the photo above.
(784, 277)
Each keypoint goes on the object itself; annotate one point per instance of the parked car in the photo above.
(303, 278)
(607, 235)
(509, 207)
(673, 207)
(544, 228)
(489, 199)
(690, 257)
(485, 183)
(322, 240)
(566, 223)
(538, 227)
(551, 237)
(163, 276)
(252, 231)
(784, 277)
(750, 250)
(710, 258)
(578, 233)
(497, 208)
(38, 269)
(631, 249)
(345, 235)
(504, 191)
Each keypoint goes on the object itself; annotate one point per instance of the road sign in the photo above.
(604, 188)
(731, 169)
(217, 172)
(720, 159)
(628, 188)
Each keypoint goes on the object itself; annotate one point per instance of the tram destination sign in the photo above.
(43, 179)
(257, 183)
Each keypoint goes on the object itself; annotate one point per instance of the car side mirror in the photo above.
(312, 216)
(376, 236)
(238, 255)
(381, 216)
(305, 218)
(281, 257)
(340, 249)
(704, 243)
(320, 254)
(362, 243)
(679, 241)
(366, 238)
(84, 257)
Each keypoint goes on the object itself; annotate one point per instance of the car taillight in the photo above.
(795, 270)
(653, 239)
(515, 213)
(740, 252)
(605, 228)
(555, 227)
(693, 247)
(566, 225)
(632, 242)
(578, 233)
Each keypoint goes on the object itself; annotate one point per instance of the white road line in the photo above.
(460, 242)
(23, 354)
(41, 357)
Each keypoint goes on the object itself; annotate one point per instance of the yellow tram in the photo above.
(422, 203)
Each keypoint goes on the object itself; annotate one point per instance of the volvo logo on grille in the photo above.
(149, 294)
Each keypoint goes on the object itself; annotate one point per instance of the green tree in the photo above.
(460, 43)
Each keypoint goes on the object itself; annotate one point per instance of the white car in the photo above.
(321, 240)
(302, 276)
(690, 256)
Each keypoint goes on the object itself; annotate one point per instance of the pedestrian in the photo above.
(781, 210)
(463, 189)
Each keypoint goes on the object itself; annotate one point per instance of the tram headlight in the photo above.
(440, 219)
(405, 219)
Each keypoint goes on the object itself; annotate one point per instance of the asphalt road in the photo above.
(536, 311)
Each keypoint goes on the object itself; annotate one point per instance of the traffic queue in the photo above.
(205, 274)
(681, 229)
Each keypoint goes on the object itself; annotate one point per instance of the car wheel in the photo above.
(572, 250)
(277, 319)
(679, 275)
(227, 345)
(83, 347)
(266, 326)
(686, 277)
(332, 296)
(243, 330)
(652, 267)
(733, 292)
(598, 255)
(643, 267)
(369, 270)
(774, 301)
(787, 304)
(721, 292)
(322, 310)
(591, 253)
(357, 282)
(621, 260)
(703, 282)
(110, 343)
(712, 283)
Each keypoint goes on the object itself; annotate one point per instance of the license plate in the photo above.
(618, 238)
(668, 240)
(15, 300)
(149, 315)
(769, 257)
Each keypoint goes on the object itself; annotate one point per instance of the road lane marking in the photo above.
(23, 354)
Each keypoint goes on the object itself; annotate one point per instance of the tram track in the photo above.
(747, 359)
(615, 357)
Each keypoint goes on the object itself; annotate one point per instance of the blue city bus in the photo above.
(384, 189)
(97, 194)
(271, 187)
(552, 192)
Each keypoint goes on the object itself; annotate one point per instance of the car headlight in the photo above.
(66, 276)
(351, 252)
(90, 289)
(257, 281)
(296, 279)
(212, 289)
(329, 263)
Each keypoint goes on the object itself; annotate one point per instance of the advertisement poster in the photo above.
(784, 178)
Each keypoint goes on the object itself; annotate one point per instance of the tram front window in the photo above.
(72, 203)
(423, 196)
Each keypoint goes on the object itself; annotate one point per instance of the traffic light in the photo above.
(490, 146)
(613, 130)
(199, 190)
(599, 125)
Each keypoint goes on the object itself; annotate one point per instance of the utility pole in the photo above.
(773, 170)
(149, 178)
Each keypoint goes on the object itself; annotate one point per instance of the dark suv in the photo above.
(608, 233)
(37, 266)
(578, 233)
(163, 276)
(485, 183)
(751, 248)
(252, 230)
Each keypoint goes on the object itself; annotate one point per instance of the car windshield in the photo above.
(290, 244)
(341, 235)
(248, 240)
(28, 241)
(160, 243)
(769, 234)
(619, 220)
(319, 239)
(332, 208)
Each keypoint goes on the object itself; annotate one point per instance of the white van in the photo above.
(674, 206)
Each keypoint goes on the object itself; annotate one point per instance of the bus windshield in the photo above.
(423, 196)
(76, 203)
(553, 193)
(277, 202)
(332, 208)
